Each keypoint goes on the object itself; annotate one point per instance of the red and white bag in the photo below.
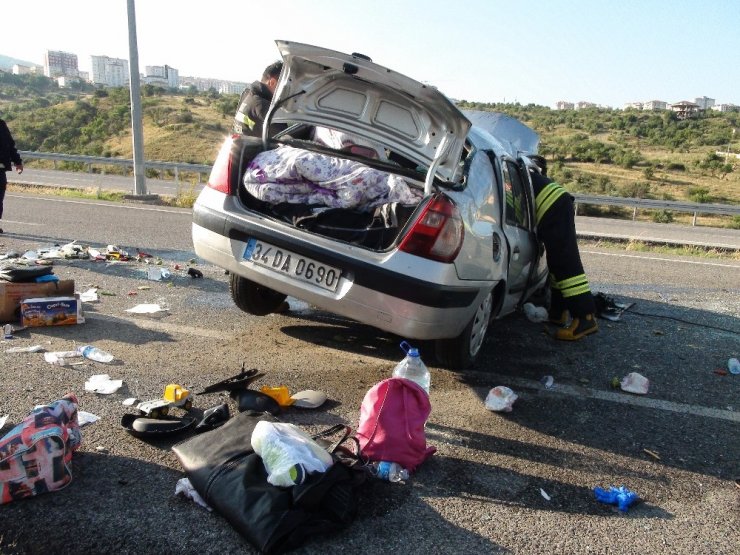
(391, 427)
(35, 456)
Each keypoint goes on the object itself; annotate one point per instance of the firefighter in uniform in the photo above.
(255, 102)
(572, 305)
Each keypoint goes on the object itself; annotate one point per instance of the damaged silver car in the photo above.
(380, 201)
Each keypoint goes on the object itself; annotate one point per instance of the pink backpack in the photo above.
(392, 418)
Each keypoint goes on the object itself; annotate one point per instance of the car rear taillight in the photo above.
(438, 233)
(221, 170)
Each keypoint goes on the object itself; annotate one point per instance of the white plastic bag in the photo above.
(288, 453)
(501, 399)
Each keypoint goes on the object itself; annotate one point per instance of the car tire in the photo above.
(252, 297)
(462, 351)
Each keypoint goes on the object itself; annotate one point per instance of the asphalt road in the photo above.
(482, 492)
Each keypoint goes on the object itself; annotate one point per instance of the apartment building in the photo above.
(704, 103)
(109, 72)
(655, 105)
(58, 63)
(563, 105)
(164, 76)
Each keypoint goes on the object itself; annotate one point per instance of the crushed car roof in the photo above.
(350, 93)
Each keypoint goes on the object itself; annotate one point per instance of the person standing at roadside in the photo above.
(255, 102)
(572, 305)
(8, 157)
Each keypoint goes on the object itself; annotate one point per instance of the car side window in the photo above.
(516, 199)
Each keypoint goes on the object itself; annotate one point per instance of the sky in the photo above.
(609, 52)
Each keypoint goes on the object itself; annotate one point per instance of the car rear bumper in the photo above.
(383, 298)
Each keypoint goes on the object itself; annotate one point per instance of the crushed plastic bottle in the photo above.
(733, 365)
(93, 353)
(389, 471)
(413, 368)
(621, 497)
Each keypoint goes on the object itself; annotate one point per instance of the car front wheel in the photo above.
(462, 351)
(252, 297)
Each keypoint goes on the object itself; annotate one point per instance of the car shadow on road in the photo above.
(687, 417)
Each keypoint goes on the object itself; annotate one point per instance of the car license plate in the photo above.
(291, 264)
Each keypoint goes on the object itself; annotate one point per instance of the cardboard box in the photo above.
(51, 311)
(11, 295)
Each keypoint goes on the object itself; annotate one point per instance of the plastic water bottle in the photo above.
(413, 368)
(93, 353)
(389, 471)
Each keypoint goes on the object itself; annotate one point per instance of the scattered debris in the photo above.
(185, 488)
(534, 313)
(193, 273)
(501, 399)
(733, 365)
(652, 454)
(90, 296)
(548, 382)
(545, 495)
(103, 384)
(621, 497)
(30, 349)
(146, 308)
(635, 383)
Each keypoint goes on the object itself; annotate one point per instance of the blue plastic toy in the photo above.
(621, 497)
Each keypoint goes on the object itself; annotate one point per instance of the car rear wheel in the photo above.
(462, 351)
(252, 297)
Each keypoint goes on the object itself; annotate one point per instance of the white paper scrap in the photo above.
(3, 419)
(102, 383)
(89, 296)
(85, 418)
(544, 494)
(145, 309)
(186, 488)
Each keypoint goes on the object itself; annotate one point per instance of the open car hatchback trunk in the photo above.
(327, 193)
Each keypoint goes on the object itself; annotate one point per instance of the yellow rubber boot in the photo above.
(578, 328)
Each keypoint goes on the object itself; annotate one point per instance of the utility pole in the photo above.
(137, 133)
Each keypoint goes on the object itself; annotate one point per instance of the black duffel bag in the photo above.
(231, 478)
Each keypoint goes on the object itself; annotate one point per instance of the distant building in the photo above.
(726, 107)
(57, 63)
(165, 76)
(231, 87)
(19, 69)
(685, 109)
(704, 103)
(582, 105)
(633, 106)
(563, 105)
(655, 105)
(109, 72)
(65, 81)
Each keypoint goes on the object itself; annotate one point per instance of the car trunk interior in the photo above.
(377, 228)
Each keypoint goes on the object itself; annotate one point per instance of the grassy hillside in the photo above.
(614, 152)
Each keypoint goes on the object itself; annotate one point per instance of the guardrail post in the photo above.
(693, 222)
(177, 182)
(634, 213)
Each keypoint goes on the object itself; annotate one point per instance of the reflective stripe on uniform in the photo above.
(546, 198)
(572, 286)
(245, 119)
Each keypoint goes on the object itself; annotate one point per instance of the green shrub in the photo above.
(639, 189)
(676, 167)
(699, 194)
(662, 216)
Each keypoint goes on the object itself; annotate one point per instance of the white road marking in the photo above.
(108, 205)
(21, 223)
(662, 259)
(621, 397)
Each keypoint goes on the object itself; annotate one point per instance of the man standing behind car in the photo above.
(8, 156)
(572, 305)
(255, 102)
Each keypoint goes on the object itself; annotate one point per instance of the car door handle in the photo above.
(516, 252)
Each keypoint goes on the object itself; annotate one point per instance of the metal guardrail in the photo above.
(176, 167)
(635, 203)
(653, 204)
